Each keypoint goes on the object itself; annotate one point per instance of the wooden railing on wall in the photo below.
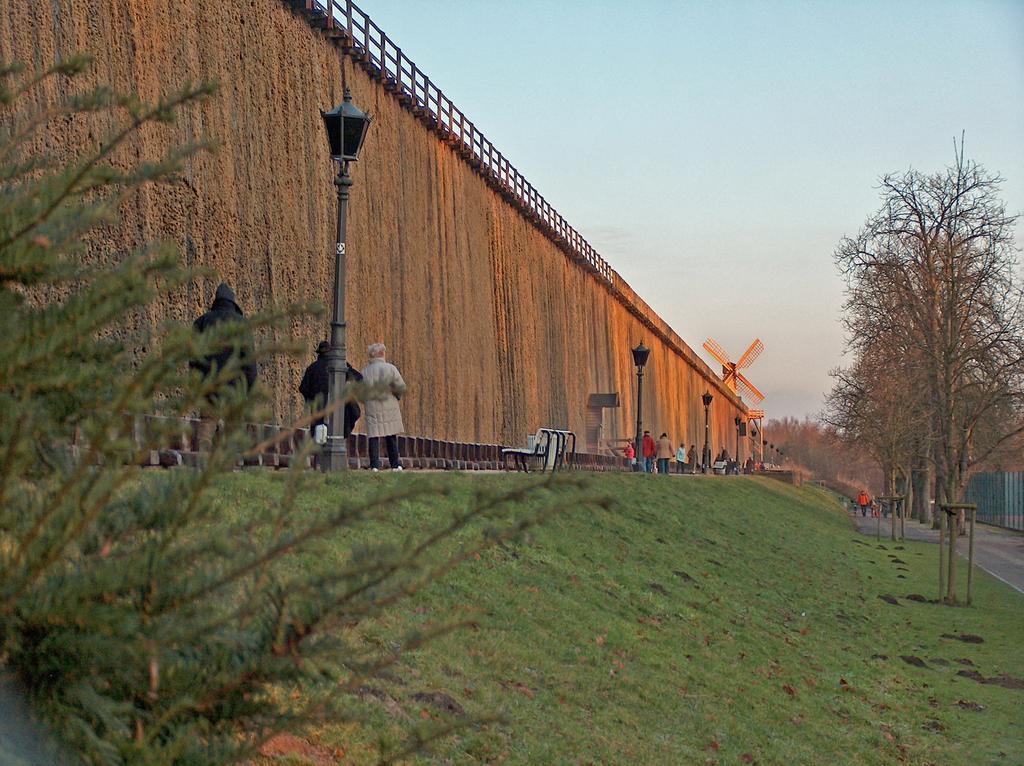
(369, 45)
(411, 85)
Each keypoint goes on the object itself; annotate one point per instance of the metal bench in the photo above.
(556, 449)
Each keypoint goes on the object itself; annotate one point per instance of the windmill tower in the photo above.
(737, 382)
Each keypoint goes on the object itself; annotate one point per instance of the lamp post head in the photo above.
(706, 398)
(346, 126)
(737, 420)
(640, 355)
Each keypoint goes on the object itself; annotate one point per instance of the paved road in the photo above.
(1000, 552)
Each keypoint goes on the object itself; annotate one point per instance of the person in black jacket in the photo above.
(316, 384)
(224, 309)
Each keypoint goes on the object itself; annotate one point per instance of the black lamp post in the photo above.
(640, 356)
(738, 421)
(346, 127)
(706, 398)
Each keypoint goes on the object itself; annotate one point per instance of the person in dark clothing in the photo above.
(316, 384)
(224, 309)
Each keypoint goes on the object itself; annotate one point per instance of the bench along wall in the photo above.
(495, 328)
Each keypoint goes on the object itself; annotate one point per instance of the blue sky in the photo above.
(716, 152)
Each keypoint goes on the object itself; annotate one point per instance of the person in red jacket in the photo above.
(863, 501)
(650, 448)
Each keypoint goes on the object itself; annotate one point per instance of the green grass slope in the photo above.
(691, 621)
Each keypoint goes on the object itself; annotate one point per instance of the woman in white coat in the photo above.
(383, 415)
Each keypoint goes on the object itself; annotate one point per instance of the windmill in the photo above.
(732, 377)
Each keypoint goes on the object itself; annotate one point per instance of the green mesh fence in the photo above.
(999, 497)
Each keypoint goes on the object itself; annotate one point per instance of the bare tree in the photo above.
(933, 273)
(819, 451)
(876, 406)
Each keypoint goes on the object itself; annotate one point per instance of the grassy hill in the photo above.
(689, 621)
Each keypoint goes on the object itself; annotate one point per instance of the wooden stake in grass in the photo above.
(970, 556)
(894, 504)
(951, 556)
(942, 540)
(952, 510)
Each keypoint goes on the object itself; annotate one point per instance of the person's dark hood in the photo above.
(224, 298)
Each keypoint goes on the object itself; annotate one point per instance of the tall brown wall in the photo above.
(496, 330)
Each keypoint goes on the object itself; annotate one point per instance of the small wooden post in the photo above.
(951, 556)
(970, 556)
(951, 511)
(942, 548)
(894, 504)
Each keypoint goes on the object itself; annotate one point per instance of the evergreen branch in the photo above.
(68, 67)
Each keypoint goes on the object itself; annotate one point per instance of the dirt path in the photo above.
(1000, 552)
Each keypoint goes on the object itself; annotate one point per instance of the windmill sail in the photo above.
(731, 376)
(750, 355)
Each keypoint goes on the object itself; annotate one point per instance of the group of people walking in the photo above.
(656, 456)
(382, 384)
(866, 504)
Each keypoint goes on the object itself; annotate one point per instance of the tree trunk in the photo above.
(922, 493)
(908, 493)
(938, 496)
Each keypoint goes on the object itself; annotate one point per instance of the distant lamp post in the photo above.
(707, 399)
(346, 127)
(640, 355)
(739, 422)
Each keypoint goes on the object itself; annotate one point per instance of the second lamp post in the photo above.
(706, 457)
(640, 355)
(346, 129)
(739, 428)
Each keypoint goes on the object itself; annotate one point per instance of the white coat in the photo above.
(383, 415)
